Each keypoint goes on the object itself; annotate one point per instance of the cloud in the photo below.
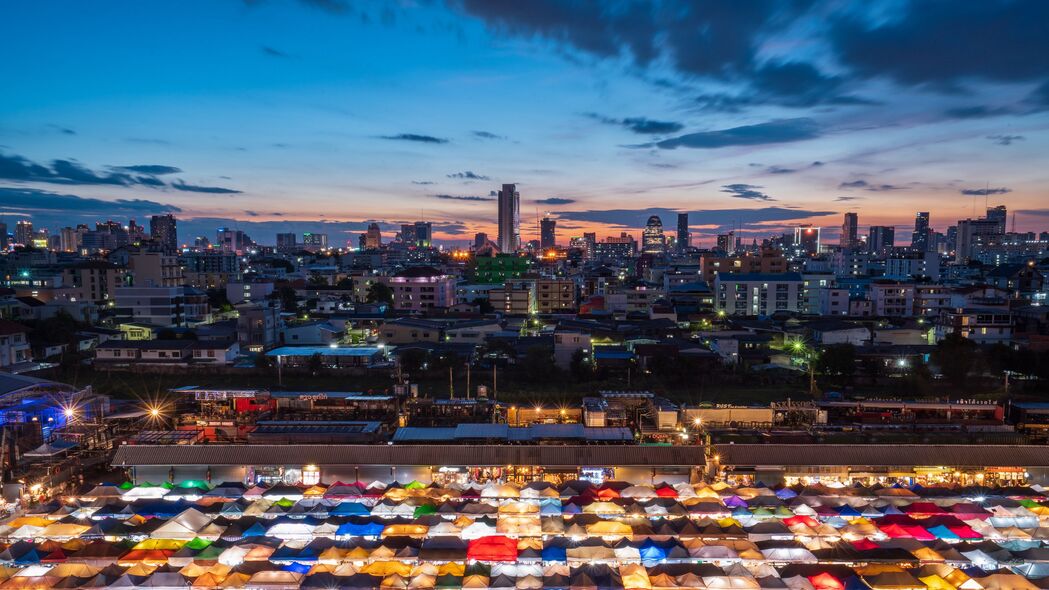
(273, 52)
(63, 130)
(554, 201)
(788, 84)
(486, 135)
(780, 170)
(415, 137)
(152, 169)
(867, 186)
(51, 209)
(977, 112)
(943, 44)
(1035, 212)
(468, 175)
(844, 199)
(749, 218)
(193, 188)
(746, 191)
(641, 125)
(422, 182)
(779, 131)
(1006, 139)
(463, 198)
(983, 192)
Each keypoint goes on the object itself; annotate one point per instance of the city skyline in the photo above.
(280, 116)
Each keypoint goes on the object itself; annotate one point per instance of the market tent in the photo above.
(492, 548)
(184, 526)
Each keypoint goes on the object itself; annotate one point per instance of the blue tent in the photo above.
(943, 532)
(365, 529)
(555, 553)
(299, 568)
(350, 509)
(255, 530)
(848, 511)
(855, 583)
(786, 494)
(651, 552)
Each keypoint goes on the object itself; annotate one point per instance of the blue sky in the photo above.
(326, 114)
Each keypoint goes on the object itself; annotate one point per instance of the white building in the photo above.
(759, 293)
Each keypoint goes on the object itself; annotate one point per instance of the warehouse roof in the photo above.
(884, 455)
(394, 455)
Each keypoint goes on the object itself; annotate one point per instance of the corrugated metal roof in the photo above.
(885, 455)
(454, 455)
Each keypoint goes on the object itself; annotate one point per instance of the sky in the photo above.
(325, 115)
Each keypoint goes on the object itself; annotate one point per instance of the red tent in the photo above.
(801, 519)
(826, 581)
(923, 508)
(865, 545)
(965, 532)
(665, 491)
(495, 548)
(895, 531)
(920, 533)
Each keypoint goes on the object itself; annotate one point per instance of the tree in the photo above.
(412, 361)
(955, 356)
(483, 305)
(345, 283)
(318, 280)
(217, 300)
(379, 293)
(316, 364)
(580, 366)
(838, 360)
(538, 363)
(289, 301)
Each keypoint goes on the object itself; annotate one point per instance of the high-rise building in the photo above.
(314, 241)
(69, 240)
(880, 239)
(373, 237)
(509, 219)
(232, 240)
(974, 233)
(652, 239)
(480, 240)
(547, 233)
(920, 237)
(287, 242)
(806, 240)
(728, 243)
(136, 232)
(24, 233)
(163, 229)
(684, 237)
(590, 240)
(999, 215)
(3, 236)
(848, 231)
(423, 234)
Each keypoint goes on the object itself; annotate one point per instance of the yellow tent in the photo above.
(237, 580)
(1006, 582)
(358, 554)
(452, 568)
(141, 569)
(935, 582)
(609, 528)
(405, 530)
(161, 544)
(332, 554)
(635, 577)
(208, 580)
(603, 508)
(387, 568)
(315, 491)
(29, 521)
(78, 570)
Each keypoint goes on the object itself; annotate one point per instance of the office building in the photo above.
(287, 242)
(3, 236)
(973, 234)
(880, 239)
(509, 219)
(423, 231)
(728, 243)
(163, 229)
(314, 242)
(480, 240)
(547, 233)
(232, 240)
(999, 215)
(920, 237)
(652, 239)
(684, 237)
(24, 233)
(373, 237)
(806, 240)
(849, 238)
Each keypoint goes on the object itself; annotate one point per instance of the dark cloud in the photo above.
(273, 52)
(779, 131)
(36, 202)
(151, 169)
(1035, 212)
(983, 192)
(946, 43)
(193, 188)
(554, 201)
(422, 182)
(20, 169)
(641, 125)
(867, 186)
(468, 175)
(747, 218)
(845, 199)
(415, 137)
(746, 191)
(62, 130)
(977, 112)
(1006, 139)
(463, 198)
(487, 135)
(780, 170)
(789, 84)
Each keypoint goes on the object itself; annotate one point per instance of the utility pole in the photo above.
(451, 383)
(495, 384)
(468, 379)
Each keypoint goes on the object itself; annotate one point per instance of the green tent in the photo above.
(424, 510)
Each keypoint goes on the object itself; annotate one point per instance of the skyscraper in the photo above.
(727, 242)
(24, 233)
(684, 237)
(920, 236)
(975, 233)
(880, 239)
(3, 236)
(423, 234)
(547, 233)
(480, 240)
(163, 230)
(807, 239)
(509, 219)
(373, 238)
(652, 240)
(314, 241)
(287, 242)
(999, 215)
(848, 231)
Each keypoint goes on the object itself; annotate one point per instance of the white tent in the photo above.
(183, 526)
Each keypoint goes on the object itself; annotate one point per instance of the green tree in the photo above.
(316, 364)
(289, 301)
(538, 364)
(483, 305)
(379, 293)
(580, 366)
(955, 355)
(838, 360)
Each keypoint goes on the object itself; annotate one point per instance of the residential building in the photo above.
(758, 293)
(373, 237)
(287, 242)
(153, 269)
(547, 233)
(314, 242)
(163, 230)
(258, 325)
(766, 261)
(409, 330)
(913, 264)
(920, 237)
(892, 299)
(981, 325)
(420, 289)
(880, 239)
(14, 344)
(849, 227)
